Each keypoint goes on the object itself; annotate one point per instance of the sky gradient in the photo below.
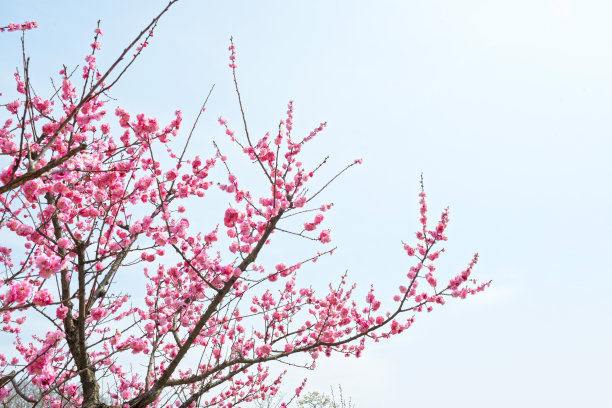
(505, 108)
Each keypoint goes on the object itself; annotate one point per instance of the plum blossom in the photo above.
(231, 216)
(19, 292)
(263, 351)
(48, 265)
(98, 313)
(42, 298)
(325, 237)
(61, 312)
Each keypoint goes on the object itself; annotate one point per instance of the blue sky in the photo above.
(505, 107)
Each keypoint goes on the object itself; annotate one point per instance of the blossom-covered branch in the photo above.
(135, 306)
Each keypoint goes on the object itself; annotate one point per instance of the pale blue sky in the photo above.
(505, 106)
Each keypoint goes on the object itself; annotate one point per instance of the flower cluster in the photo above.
(28, 25)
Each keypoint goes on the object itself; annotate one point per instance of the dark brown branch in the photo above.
(13, 184)
(144, 399)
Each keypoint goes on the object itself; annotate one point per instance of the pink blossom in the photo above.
(42, 298)
(310, 226)
(431, 280)
(325, 237)
(98, 313)
(13, 107)
(28, 25)
(171, 174)
(263, 351)
(48, 265)
(61, 312)
(231, 216)
(409, 250)
(68, 91)
(299, 202)
(42, 105)
(19, 292)
(139, 346)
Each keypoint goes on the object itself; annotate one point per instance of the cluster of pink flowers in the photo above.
(311, 226)
(325, 237)
(18, 293)
(316, 131)
(263, 351)
(28, 25)
(231, 217)
(232, 57)
(13, 107)
(98, 313)
(48, 265)
(143, 44)
(42, 298)
(289, 120)
(68, 91)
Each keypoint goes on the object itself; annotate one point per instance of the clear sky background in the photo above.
(506, 108)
